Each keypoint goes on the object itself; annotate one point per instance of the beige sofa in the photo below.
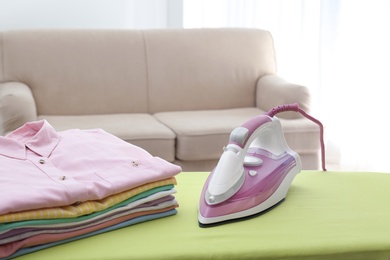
(176, 93)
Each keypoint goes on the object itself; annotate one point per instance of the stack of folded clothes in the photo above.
(57, 187)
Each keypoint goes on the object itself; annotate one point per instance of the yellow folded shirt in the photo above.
(82, 208)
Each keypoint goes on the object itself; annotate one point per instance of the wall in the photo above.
(121, 14)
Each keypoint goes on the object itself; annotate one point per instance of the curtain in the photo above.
(339, 49)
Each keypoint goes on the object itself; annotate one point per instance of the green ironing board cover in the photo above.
(326, 215)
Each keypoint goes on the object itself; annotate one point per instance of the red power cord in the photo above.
(295, 108)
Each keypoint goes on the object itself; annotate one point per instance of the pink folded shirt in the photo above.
(41, 168)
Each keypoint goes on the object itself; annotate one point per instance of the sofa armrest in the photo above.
(17, 106)
(272, 90)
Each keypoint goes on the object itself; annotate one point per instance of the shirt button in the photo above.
(62, 178)
(135, 164)
(41, 161)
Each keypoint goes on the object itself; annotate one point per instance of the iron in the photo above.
(255, 171)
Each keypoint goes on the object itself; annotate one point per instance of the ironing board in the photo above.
(326, 215)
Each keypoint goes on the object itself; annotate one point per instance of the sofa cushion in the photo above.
(201, 135)
(142, 130)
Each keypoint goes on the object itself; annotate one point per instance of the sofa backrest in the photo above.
(72, 72)
(206, 68)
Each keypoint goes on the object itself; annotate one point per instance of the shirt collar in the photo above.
(38, 136)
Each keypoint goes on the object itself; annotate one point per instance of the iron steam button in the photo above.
(252, 172)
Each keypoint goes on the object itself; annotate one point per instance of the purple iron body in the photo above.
(254, 172)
